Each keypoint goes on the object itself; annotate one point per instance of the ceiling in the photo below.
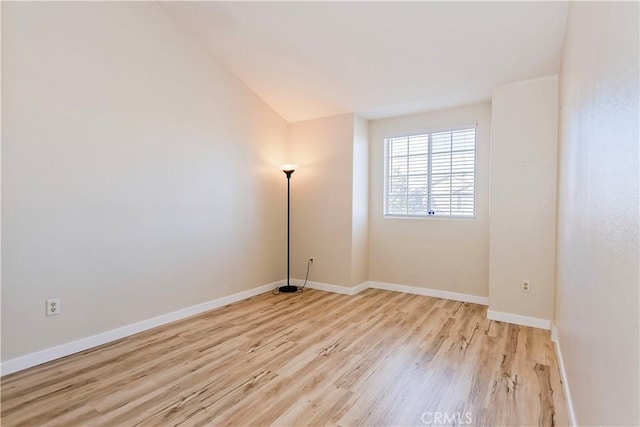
(378, 59)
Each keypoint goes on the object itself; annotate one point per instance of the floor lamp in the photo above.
(288, 170)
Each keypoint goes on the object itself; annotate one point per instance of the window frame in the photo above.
(430, 131)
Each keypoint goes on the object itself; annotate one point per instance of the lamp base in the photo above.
(288, 288)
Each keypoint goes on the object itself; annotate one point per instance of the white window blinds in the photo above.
(431, 174)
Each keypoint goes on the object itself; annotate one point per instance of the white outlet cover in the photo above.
(53, 307)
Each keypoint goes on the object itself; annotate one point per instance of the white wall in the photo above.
(597, 291)
(360, 206)
(523, 197)
(444, 254)
(138, 176)
(329, 199)
(321, 198)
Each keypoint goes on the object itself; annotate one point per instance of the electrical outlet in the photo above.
(525, 286)
(311, 260)
(53, 306)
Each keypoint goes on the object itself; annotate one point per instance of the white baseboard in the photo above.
(563, 375)
(337, 289)
(52, 353)
(430, 292)
(518, 319)
(554, 332)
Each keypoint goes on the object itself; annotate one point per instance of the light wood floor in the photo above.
(315, 358)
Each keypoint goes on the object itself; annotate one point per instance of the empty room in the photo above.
(320, 213)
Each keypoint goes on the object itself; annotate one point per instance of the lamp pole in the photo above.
(288, 171)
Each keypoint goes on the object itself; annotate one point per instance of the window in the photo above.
(431, 174)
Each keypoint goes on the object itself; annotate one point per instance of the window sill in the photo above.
(427, 217)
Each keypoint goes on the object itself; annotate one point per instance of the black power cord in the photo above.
(309, 262)
(276, 291)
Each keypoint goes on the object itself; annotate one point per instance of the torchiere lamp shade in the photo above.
(289, 168)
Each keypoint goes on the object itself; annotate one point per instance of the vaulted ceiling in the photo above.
(378, 59)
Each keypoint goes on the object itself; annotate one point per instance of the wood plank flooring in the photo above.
(314, 358)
